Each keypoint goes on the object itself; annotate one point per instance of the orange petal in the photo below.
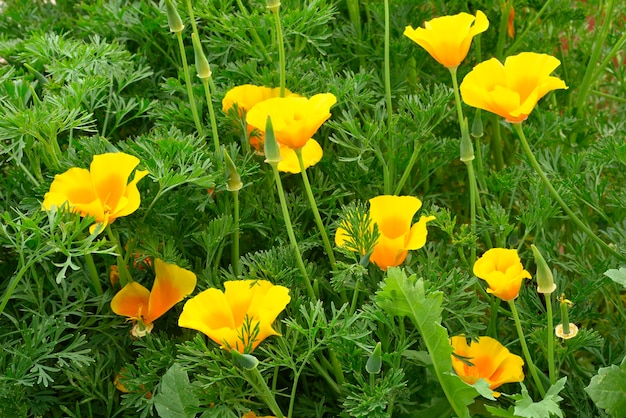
(171, 285)
(109, 175)
(132, 301)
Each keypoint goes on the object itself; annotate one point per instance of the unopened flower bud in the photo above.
(245, 361)
(375, 362)
(173, 18)
(272, 149)
(477, 125)
(545, 280)
(467, 149)
(202, 64)
(234, 183)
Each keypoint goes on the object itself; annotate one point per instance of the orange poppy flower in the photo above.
(503, 271)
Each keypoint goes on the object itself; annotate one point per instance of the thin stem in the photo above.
(557, 197)
(93, 273)
(316, 213)
(290, 233)
(496, 144)
(235, 243)
(192, 100)
(407, 170)
(261, 386)
(551, 369)
(355, 296)
(391, 151)
(281, 50)
(329, 380)
(522, 340)
(209, 102)
(125, 276)
(467, 156)
(529, 26)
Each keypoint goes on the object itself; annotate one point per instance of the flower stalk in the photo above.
(391, 149)
(93, 274)
(125, 276)
(527, 356)
(274, 7)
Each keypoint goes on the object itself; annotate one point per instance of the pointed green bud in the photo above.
(375, 362)
(234, 180)
(467, 149)
(545, 280)
(273, 5)
(245, 361)
(202, 64)
(477, 125)
(173, 18)
(272, 149)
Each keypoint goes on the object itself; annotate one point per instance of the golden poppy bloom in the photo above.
(393, 216)
(171, 285)
(253, 415)
(447, 39)
(511, 90)
(294, 119)
(238, 318)
(503, 271)
(103, 191)
(489, 360)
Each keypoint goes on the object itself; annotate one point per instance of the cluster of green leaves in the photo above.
(87, 77)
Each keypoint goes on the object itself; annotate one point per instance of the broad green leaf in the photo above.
(400, 295)
(608, 389)
(618, 276)
(548, 406)
(176, 398)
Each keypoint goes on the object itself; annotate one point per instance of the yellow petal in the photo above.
(389, 252)
(171, 285)
(73, 186)
(311, 154)
(131, 200)
(393, 214)
(132, 301)
(109, 176)
(248, 95)
(503, 271)
(207, 312)
(417, 235)
(239, 294)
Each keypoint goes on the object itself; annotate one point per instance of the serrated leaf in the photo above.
(618, 276)
(482, 387)
(548, 406)
(607, 389)
(400, 295)
(176, 398)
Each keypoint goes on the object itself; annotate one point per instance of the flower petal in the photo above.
(171, 284)
(311, 154)
(417, 236)
(109, 176)
(208, 312)
(131, 200)
(132, 301)
(393, 214)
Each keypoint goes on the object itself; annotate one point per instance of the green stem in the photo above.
(209, 102)
(496, 144)
(557, 197)
(192, 100)
(257, 381)
(504, 20)
(255, 34)
(235, 243)
(316, 213)
(93, 273)
(125, 276)
(407, 170)
(281, 50)
(329, 380)
(550, 331)
(290, 233)
(467, 156)
(522, 340)
(390, 145)
(355, 296)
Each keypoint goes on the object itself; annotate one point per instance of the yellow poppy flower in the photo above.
(253, 415)
(238, 318)
(503, 271)
(294, 119)
(171, 285)
(447, 39)
(393, 216)
(103, 191)
(490, 361)
(511, 90)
